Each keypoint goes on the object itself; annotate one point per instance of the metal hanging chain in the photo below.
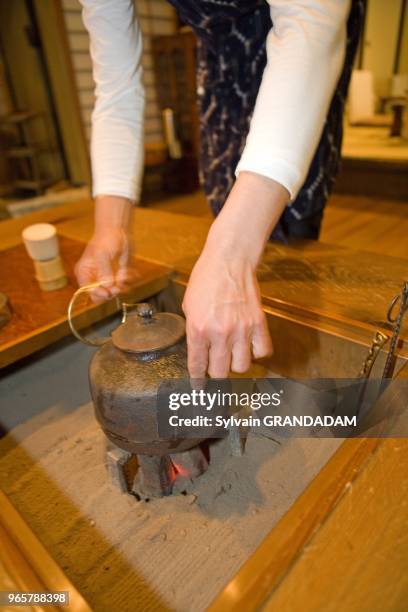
(400, 299)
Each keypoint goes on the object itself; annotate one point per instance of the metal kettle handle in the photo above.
(78, 292)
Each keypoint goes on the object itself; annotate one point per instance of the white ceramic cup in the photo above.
(41, 241)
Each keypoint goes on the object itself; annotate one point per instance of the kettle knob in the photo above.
(144, 310)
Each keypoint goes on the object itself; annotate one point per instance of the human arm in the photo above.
(116, 141)
(226, 325)
(305, 52)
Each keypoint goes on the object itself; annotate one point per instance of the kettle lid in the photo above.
(143, 331)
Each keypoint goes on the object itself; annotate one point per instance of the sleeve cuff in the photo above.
(132, 193)
(275, 168)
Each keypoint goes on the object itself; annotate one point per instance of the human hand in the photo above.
(226, 324)
(106, 256)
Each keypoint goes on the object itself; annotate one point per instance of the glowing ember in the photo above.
(179, 470)
(157, 475)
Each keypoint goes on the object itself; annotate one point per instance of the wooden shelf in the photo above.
(32, 184)
(19, 117)
(27, 151)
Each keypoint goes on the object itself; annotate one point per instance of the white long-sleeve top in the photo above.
(305, 54)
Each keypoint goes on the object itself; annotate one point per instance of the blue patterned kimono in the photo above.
(231, 59)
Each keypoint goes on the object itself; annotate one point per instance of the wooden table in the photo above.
(40, 318)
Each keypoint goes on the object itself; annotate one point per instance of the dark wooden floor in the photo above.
(370, 224)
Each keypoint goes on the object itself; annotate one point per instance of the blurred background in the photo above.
(46, 100)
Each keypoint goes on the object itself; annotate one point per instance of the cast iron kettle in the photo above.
(126, 372)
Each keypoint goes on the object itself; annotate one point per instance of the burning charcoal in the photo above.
(190, 463)
(146, 476)
(155, 477)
